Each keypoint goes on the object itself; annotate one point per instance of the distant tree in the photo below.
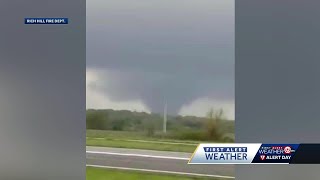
(97, 120)
(150, 127)
(214, 119)
(118, 125)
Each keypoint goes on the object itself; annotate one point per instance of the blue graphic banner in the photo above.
(256, 153)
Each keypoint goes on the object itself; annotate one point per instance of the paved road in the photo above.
(152, 160)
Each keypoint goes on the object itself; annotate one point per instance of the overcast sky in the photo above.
(141, 53)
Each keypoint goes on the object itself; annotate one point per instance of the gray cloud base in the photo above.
(157, 50)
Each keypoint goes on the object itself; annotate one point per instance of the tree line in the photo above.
(212, 127)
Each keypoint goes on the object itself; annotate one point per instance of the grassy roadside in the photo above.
(140, 145)
(131, 135)
(111, 174)
(136, 140)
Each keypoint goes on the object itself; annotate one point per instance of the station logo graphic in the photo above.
(287, 150)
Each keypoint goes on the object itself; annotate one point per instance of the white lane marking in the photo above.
(145, 141)
(160, 171)
(137, 155)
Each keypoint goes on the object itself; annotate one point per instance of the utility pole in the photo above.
(165, 118)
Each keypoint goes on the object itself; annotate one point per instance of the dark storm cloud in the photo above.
(153, 50)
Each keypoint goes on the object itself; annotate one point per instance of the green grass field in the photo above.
(136, 140)
(140, 145)
(110, 174)
(132, 135)
(139, 140)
